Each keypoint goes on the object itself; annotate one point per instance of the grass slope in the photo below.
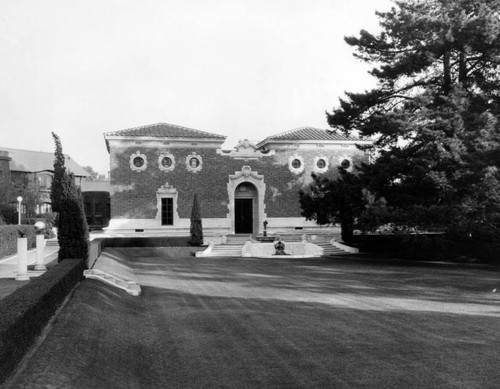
(276, 323)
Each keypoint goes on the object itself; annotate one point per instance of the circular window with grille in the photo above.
(296, 164)
(138, 161)
(320, 164)
(346, 164)
(166, 162)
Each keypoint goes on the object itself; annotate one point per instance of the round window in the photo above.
(296, 164)
(346, 164)
(194, 162)
(166, 162)
(138, 161)
(321, 164)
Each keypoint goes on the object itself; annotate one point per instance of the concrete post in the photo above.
(40, 251)
(22, 259)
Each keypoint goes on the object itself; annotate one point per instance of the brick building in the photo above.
(155, 171)
(29, 174)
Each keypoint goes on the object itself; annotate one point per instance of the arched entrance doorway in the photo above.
(246, 213)
(255, 189)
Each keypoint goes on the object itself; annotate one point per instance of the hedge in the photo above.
(431, 247)
(27, 310)
(160, 241)
(8, 238)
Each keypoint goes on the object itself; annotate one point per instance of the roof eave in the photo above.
(107, 137)
(311, 141)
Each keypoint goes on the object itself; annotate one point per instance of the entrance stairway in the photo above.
(329, 249)
(322, 241)
(234, 245)
(232, 248)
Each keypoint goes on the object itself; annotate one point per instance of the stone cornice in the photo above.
(152, 142)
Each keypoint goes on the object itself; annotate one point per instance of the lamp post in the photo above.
(19, 201)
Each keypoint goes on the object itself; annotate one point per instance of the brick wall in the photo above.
(4, 170)
(134, 192)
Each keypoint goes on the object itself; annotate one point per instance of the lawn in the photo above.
(222, 322)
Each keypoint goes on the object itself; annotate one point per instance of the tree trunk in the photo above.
(462, 67)
(347, 227)
(446, 72)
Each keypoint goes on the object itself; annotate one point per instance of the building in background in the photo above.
(29, 174)
(155, 170)
(96, 202)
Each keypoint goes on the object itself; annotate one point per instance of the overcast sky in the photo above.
(240, 68)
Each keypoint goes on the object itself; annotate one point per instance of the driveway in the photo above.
(284, 323)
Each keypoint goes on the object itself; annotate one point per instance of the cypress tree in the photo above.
(66, 197)
(59, 171)
(73, 233)
(196, 230)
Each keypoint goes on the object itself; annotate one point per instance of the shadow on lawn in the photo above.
(360, 284)
(180, 338)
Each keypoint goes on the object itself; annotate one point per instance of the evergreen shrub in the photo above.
(73, 232)
(432, 247)
(196, 230)
(177, 241)
(8, 214)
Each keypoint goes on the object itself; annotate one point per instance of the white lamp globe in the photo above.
(39, 225)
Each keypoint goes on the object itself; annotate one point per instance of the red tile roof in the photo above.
(165, 130)
(308, 134)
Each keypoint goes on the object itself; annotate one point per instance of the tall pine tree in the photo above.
(331, 201)
(434, 112)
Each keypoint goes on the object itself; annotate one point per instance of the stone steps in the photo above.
(329, 249)
(130, 287)
(232, 247)
(231, 250)
(236, 240)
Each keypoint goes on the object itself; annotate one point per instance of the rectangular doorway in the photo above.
(243, 215)
(167, 212)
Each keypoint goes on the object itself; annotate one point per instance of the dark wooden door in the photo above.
(243, 213)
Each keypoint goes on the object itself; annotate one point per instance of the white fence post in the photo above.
(40, 251)
(22, 259)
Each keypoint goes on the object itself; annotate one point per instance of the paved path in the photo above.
(244, 323)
